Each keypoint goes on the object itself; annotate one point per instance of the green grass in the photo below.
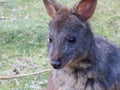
(24, 32)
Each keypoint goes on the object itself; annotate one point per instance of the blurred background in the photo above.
(23, 38)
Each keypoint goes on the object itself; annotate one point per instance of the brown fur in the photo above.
(60, 18)
(65, 80)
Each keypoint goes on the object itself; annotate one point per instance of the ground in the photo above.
(23, 38)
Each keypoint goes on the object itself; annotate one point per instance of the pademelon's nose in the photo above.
(56, 64)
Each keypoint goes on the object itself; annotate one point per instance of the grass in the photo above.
(23, 38)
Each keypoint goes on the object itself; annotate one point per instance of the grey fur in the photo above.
(91, 63)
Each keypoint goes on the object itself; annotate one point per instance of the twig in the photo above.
(36, 88)
(23, 75)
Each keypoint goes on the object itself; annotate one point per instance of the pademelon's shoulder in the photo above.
(99, 40)
(106, 45)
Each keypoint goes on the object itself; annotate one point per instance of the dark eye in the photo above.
(50, 40)
(72, 39)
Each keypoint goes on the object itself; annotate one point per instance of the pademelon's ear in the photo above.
(85, 8)
(52, 7)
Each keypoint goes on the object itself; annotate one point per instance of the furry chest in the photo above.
(69, 81)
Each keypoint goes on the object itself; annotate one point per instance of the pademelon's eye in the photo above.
(50, 40)
(72, 39)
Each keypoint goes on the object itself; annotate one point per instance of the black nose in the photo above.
(56, 64)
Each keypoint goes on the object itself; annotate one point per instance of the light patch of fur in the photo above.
(66, 80)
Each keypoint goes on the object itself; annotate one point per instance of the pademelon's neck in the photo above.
(67, 79)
